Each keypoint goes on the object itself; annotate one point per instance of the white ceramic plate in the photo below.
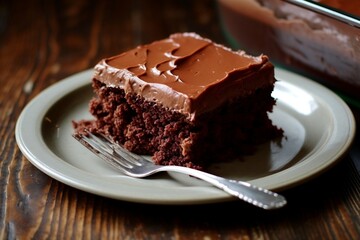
(319, 128)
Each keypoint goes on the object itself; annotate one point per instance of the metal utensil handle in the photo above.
(245, 191)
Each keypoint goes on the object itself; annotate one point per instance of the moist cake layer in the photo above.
(186, 73)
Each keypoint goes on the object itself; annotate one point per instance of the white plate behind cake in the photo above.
(319, 128)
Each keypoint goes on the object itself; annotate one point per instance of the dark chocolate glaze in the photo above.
(186, 73)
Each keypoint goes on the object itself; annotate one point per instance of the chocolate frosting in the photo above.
(186, 73)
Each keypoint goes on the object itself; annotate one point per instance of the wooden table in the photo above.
(42, 42)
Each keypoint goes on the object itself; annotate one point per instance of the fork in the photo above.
(137, 166)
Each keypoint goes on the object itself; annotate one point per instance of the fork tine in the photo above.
(117, 154)
(97, 143)
(103, 150)
(124, 153)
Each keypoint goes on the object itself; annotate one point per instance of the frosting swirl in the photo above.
(185, 72)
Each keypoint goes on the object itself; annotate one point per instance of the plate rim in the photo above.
(208, 194)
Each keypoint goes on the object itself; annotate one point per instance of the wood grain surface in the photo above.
(42, 42)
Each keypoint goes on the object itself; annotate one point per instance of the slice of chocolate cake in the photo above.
(184, 100)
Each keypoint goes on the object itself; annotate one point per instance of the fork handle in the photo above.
(245, 191)
(252, 194)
